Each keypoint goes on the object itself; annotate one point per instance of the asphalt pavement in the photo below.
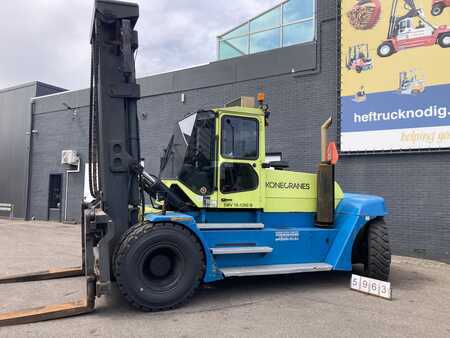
(302, 305)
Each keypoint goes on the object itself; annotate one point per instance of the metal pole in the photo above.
(67, 187)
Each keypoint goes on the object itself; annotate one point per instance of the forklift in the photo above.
(216, 209)
(360, 96)
(439, 6)
(403, 33)
(411, 83)
(358, 58)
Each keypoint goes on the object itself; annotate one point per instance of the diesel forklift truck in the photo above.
(404, 34)
(358, 58)
(216, 209)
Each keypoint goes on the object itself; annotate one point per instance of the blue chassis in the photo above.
(293, 236)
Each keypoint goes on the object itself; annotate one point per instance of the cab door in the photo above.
(240, 162)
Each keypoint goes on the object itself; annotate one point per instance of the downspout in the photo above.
(66, 197)
(28, 164)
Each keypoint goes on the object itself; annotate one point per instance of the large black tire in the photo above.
(378, 262)
(385, 49)
(444, 40)
(119, 244)
(159, 266)
(437, 9)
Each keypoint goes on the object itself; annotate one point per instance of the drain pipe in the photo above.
(66, 197)
(324, 138)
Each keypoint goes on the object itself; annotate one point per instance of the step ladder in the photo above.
(230, 226)
(279, 269)
(241, 250)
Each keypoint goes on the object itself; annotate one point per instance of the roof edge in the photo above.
(30, 84)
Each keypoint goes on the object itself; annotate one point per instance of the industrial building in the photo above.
(293, 54)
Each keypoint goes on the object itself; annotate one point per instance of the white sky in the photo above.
(48, 40)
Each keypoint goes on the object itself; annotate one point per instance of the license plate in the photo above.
(371, 286)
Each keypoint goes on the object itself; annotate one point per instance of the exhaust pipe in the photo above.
(324, 138)
(325, 182)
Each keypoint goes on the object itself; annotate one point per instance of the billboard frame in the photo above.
(339, 106)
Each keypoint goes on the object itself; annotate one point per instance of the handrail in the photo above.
(8, 207)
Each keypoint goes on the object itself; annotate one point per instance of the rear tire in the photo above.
(444, 40)
(385, 49)
(159, 266)
(437, 9)
(358, 69)
(378, 262)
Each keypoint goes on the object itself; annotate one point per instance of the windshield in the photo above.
(190, 155)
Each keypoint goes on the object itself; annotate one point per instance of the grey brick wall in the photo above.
(416, 186)
(15, 118)
(59, 130)
(14, 123)
(416, 189)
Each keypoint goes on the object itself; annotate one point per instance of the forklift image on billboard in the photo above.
(358, 58)
(412, 30)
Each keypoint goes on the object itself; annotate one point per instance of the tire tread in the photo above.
(134, 234)
(379, 251)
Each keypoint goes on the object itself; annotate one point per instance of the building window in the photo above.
(298, 33)
(290, 23)
(233, 47)
(266, 21)
(263, 41)
(298, 10)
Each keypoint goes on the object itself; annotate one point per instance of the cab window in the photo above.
(198, 167)
(237, 177)
(239, 138)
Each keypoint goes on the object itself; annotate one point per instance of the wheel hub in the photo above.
(160, 265)
(385, 50)
(436, 10)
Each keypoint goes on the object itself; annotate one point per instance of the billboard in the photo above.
(395, 75)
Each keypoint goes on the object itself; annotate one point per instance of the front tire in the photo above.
(159, 266)
(378, 262)
(385, 49)
(437, 9)
(444, 40)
